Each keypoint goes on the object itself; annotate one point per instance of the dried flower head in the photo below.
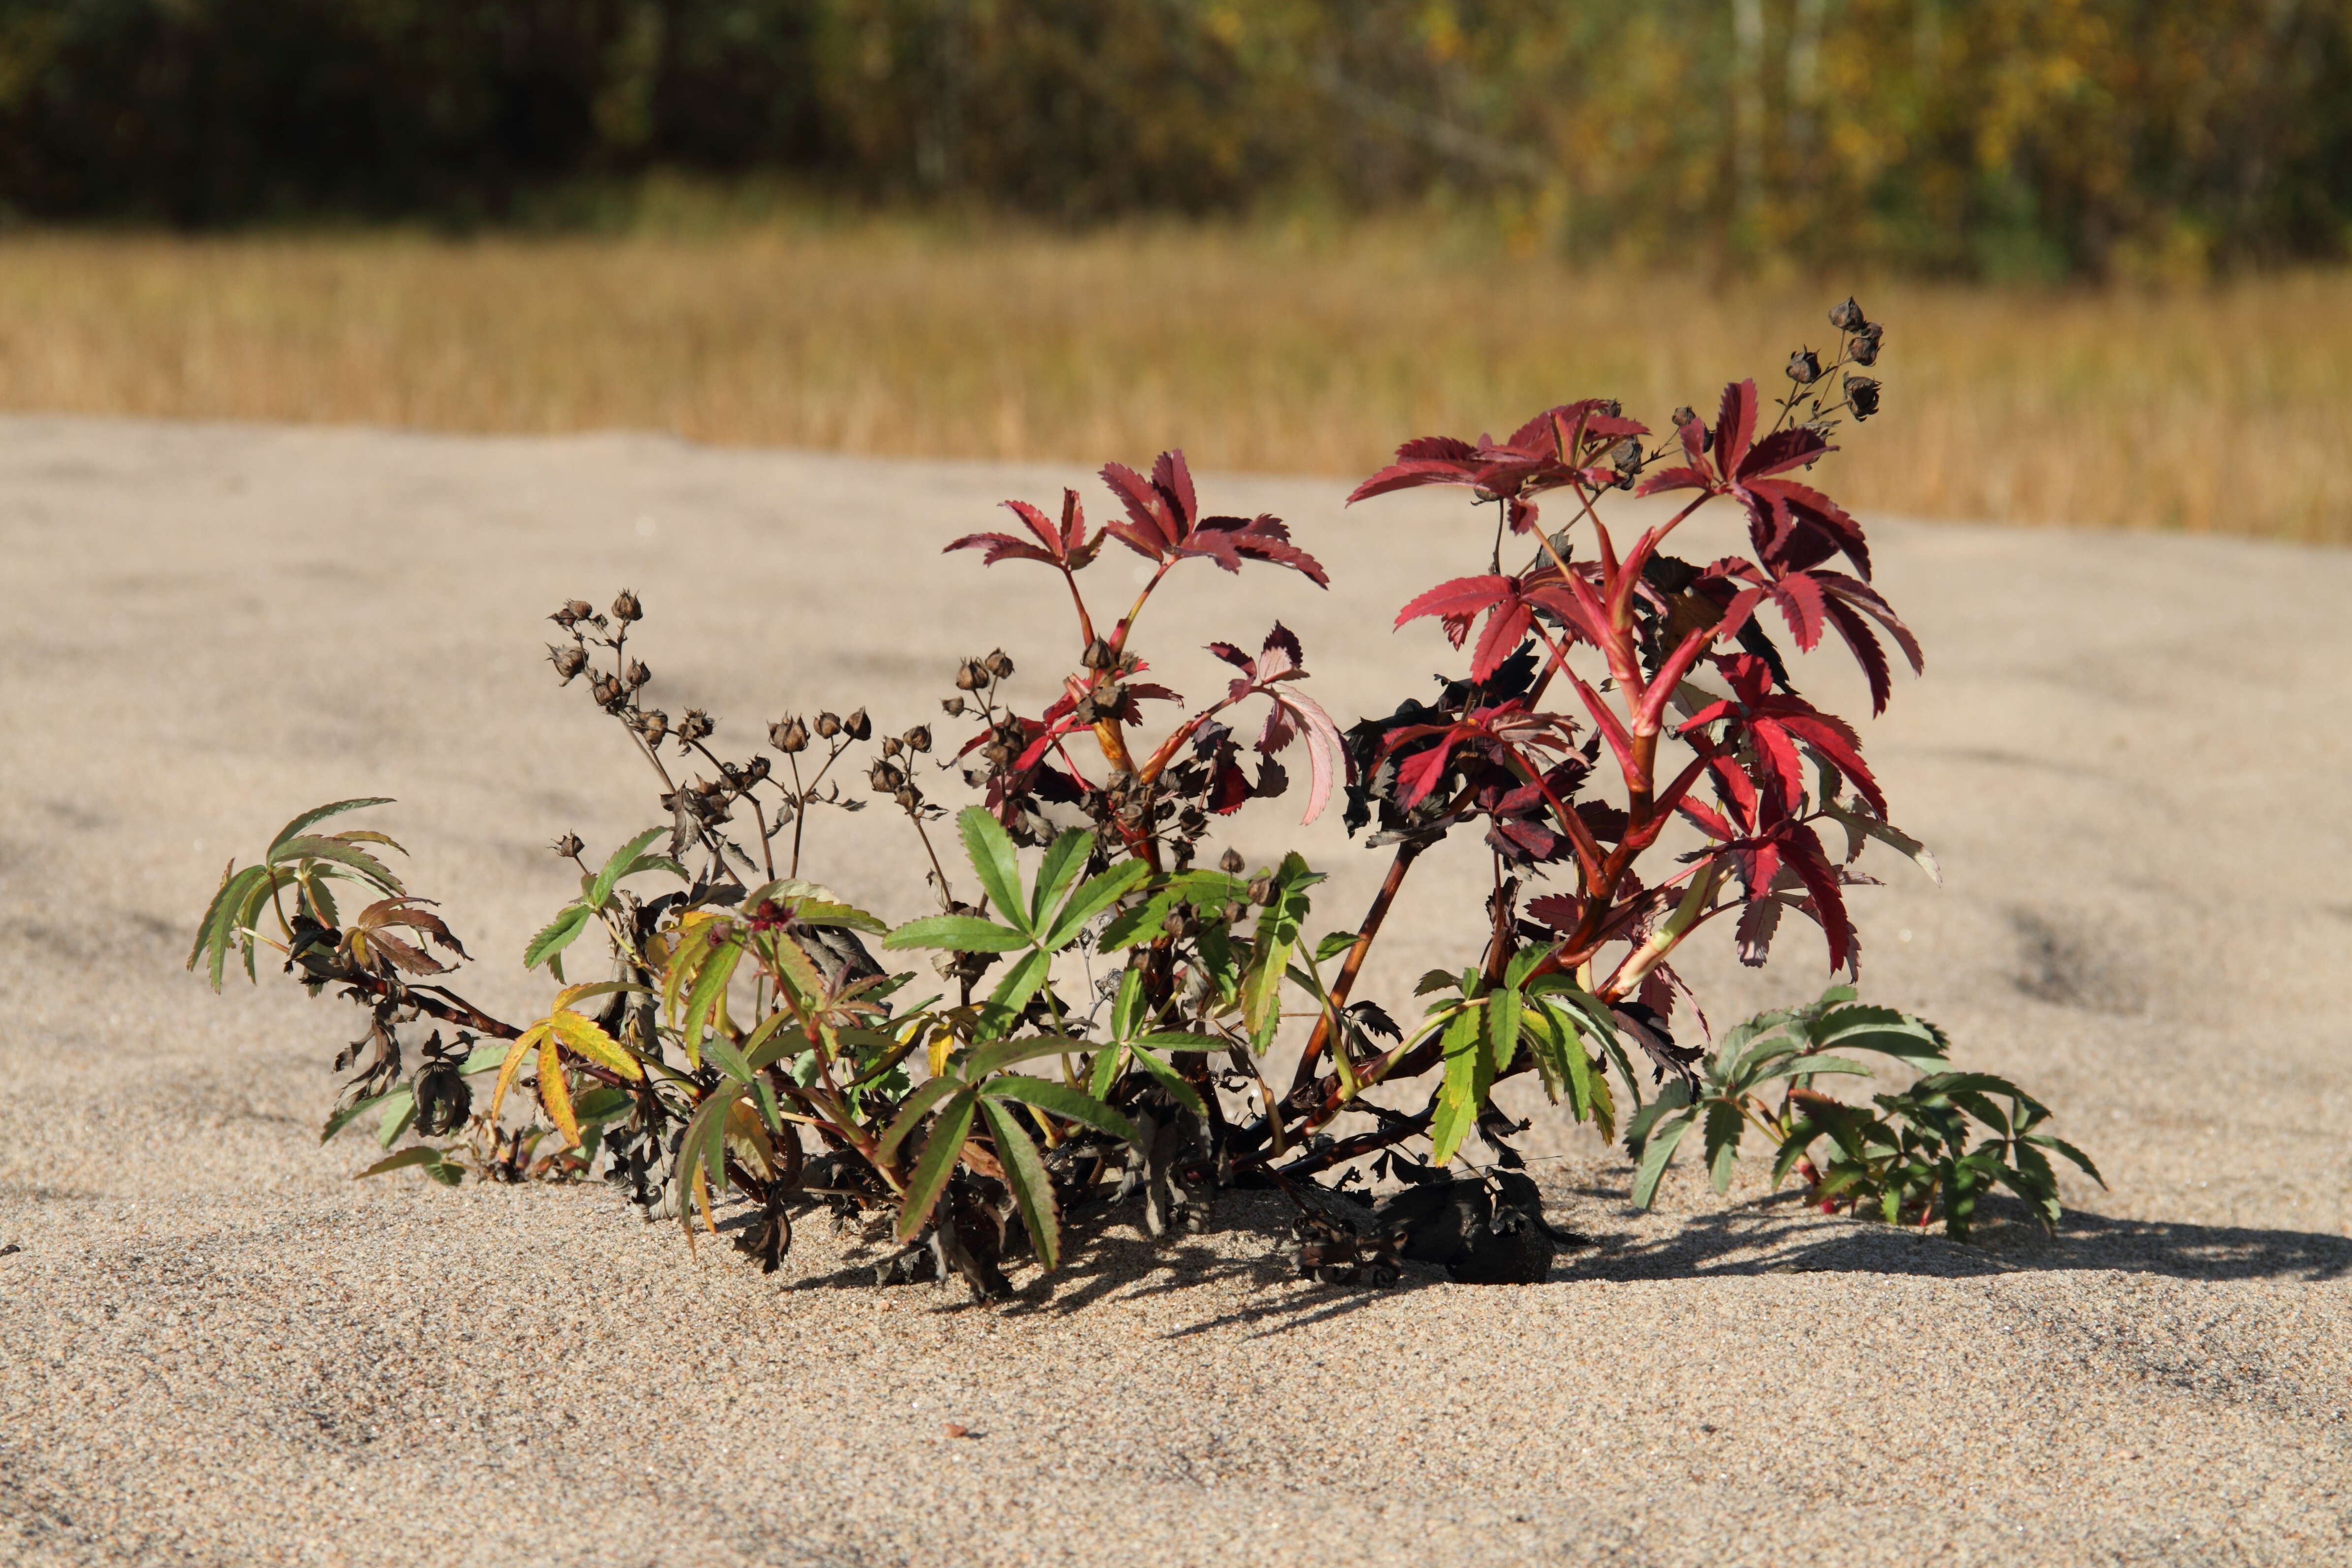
(789, 735)
(970, 676)
(1848, 317)
(1863, 348)
(636, 675)
(568, 847)
(653, 726)
(918, 739)
(569, 658)
(999, 665)
(626, 607)
(1231, 863)
(1804, 367)
(859, 725)
(1862, 393)
(828, 725)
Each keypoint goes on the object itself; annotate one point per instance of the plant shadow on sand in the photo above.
(1774, 1235)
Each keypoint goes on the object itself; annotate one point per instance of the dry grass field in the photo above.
(2223, 410)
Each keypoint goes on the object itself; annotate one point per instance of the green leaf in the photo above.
(1502, 1030)
(958, 933)
(319, 813)
(1032, 1189)
(998, 1055)
(1656, 1151)
(399, 1111)
(557, 935)
(623, 860)
(1124, 1008)
(1723, 1129)
(1020, 983)
(949, 1130)
(1168, 1076)
(703, 1149)
(730, 1060)
(1062, 1100)
(2082, 1161)
(484, 1057)
(990, 850)
(423, 1155)
(710, 988)
(1333, 945)
(1277, 933)
(910, 1115)
(1064, 858)
(779, 1035)
(1459, 1096)
(217, 928)
(351, 1113)
(1093, 896)
(1103, 1071)
(1524, 961)
(310, 847)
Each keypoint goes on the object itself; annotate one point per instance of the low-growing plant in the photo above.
(1109, 1015)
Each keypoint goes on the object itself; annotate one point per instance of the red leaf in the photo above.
(1145, 507)
(1172, 478)
(1000, 547)
(1799, 598)
(1780, 450)
(1734, 424)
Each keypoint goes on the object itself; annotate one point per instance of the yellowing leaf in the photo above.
(553, 1093)
(515, 1053)
(583, 1034)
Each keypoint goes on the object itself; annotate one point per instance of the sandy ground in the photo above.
(2129, 754)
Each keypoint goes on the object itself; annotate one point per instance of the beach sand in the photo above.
(2129, 754)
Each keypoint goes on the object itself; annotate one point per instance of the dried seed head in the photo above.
(569, 658)
(656, 726)
(625, 608)
(1862, 393)
(1260, 890)
(918, 739)
(970, 676)
(1684, 415)
(999, 665)
(884, 779)
(1097, 656)
(636, 674)
(908, 799)
(1804, 367)
(608, 692)
(581, 610)
(1863, 350)
(755, 770)
(1848, 317)
(695, 726)
(788, 735)
(828, 725)
(1230, 862)
(952, 706)
(859, 725)
(443, 1098)
(892, 745)
(563, 616)
(567, 847)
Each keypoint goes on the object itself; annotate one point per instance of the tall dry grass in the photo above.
(2225, 410)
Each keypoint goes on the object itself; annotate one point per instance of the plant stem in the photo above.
(1317, 1042)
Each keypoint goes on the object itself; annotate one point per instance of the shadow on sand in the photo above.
(1106, 1256)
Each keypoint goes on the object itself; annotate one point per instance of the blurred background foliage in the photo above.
(1995, 139)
